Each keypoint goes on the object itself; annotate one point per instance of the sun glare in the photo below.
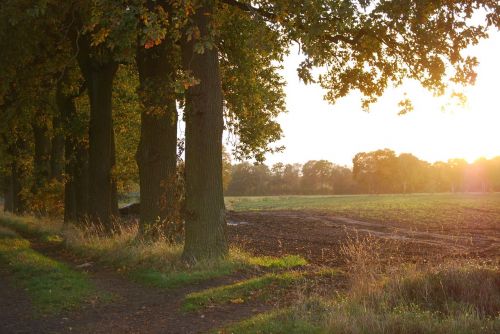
(437, 129)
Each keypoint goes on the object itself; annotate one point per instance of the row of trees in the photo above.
(87, 87)
(380, 171)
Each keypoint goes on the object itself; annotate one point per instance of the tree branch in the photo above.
(246, 7)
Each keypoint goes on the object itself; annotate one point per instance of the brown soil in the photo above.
(319, 235)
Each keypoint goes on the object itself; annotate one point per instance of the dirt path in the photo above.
(134, 308)
(318, 236)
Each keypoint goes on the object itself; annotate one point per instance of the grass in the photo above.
(281, 321)
(257, 287)
(53, 286)
(151, 263)
(454, 297)
(420, 210)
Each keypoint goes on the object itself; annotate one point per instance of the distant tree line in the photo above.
(376, 172)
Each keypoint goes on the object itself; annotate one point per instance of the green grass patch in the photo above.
(175, 279)
(420, 210)
(258, 287)
(284, 262)
(277, 322)
(237, 261)
(53, 286)
(45, 231)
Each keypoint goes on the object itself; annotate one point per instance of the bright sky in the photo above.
(314, 129)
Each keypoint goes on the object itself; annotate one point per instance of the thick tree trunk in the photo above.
(18, 175)
(76, 161)
(7, 191)
(157, 152)
(205, 213)
(18, 201)
(41, 159)
(57, 152)
(102, 204)
(114, 189)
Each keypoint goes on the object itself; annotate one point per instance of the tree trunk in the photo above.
(157, 152)
(41, 159)
(18, 175)
(57, 153)
(205, 224)
(114, 189)
(102, 202)
(76, 161)
(8, 198)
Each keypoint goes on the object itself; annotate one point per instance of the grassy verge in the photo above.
(258, 287)
(155, 263)
(52, 286)
(451, 298)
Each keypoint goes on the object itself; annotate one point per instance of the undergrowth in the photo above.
(155, 263)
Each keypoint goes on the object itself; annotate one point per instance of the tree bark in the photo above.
(76, 161)
(57, 152)
(8, 198)
(99, 68)
(18, 174)
(205, 224)
(157, 152)
(102, 202)
(41, 159)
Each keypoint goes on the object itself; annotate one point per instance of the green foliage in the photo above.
(253, 89)
(52, 285)
(127, 127)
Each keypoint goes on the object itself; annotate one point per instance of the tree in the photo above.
(205, 217)
(317, 177)
(377, 171)
(365, 45)
(412, 173)
(157, 63)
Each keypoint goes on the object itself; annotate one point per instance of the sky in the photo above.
(314, 129)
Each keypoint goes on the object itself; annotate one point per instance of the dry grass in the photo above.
(387, 296)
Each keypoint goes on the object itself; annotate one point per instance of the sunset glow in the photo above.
(437, 129)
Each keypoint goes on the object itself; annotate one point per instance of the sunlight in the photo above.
(437, 129)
